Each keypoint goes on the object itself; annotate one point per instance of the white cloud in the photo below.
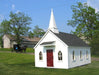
(14, 9)
(94, 4)
(13, 6)
(96, 10)
(17, 11)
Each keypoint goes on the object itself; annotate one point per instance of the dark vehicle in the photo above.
(19, 48)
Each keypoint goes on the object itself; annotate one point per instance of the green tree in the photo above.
(4, 29)
(19, 24)
(37, 32)
(85, 20)
(1, 42)
(95, 43)
(31, 34)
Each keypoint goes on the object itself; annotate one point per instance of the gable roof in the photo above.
(71, 39)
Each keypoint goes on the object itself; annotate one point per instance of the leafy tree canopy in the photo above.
(4, 29)
(19, 24)
(37, 32)
(85, 20)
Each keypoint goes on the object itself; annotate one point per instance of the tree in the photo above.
(31, 34)
(37, 32)
(95, 43)
(4, 29)
(1, 41)
(85, 20)
(19, 24)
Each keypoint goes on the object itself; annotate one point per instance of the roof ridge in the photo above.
(67, 33)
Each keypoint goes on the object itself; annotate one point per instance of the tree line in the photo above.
(19, 25)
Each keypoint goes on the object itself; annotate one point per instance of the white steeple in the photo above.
(52, 24)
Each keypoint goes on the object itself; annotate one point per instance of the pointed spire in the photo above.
(52, 24)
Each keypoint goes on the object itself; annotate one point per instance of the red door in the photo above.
(50, 58)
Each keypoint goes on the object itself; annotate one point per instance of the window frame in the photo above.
(60, 57)
(40, 56)
(81, 56)
(87, 56)
(73, 55)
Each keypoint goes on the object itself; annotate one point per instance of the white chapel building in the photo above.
(60, 50)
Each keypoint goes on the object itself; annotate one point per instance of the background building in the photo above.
(9, 41)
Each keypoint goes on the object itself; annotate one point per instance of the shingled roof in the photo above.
(71, 39)
(25, 38)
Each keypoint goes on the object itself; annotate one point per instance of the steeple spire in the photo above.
(52, 24)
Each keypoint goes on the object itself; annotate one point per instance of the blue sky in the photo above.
(39, 11)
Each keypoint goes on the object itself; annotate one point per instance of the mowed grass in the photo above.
(5, 49)
(23, 64)
(30, 50)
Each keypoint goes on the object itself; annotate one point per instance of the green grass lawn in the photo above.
(23, 64)
(30, 50)
(95, 55)
(5, 49)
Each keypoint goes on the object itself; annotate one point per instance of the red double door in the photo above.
(50, 58)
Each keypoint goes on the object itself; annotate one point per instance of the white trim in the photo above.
(80, 46)
(41, 39)
(52, 34)
(53, 44)
(74, 61)
(60, 40)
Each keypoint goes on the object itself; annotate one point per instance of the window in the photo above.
(40, 56)
(59, 55)
(80, 54)
(73, 55)
(87, 54)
